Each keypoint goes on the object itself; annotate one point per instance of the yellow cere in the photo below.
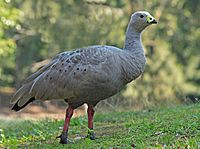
(148, 19)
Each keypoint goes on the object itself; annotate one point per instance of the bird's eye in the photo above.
(141, 16)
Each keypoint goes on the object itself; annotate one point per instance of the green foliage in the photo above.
(8, 22)
(176, 127)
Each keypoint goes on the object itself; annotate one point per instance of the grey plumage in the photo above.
(90, 74)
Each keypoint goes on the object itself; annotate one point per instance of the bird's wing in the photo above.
(23, 93)
(60, 77)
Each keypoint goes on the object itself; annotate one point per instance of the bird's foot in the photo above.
(63, 138)
(91, 135)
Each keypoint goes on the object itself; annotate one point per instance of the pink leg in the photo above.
(69, 113)
(90, 112)
(63, 136)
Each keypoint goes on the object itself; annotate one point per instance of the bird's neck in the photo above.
(133, 40)
(134, 58)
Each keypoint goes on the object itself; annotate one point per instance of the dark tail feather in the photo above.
(17, 108)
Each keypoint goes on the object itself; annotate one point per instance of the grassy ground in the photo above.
(167, 128)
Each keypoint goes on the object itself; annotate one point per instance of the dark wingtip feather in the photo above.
(17, 108)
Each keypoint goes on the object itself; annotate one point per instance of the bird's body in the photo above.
(88, 75)
(85, 75)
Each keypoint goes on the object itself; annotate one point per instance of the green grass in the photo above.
(164, 128)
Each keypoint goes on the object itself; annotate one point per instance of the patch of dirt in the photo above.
(35, 112)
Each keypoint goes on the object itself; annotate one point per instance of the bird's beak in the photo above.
(151, 20)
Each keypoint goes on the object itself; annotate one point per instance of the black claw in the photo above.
(91, 135)
(63, 138)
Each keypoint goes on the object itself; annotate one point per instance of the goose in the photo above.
(88, 75)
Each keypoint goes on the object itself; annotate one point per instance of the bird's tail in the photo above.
(22, 97)
(16, 107)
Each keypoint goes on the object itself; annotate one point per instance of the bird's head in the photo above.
(141, 19)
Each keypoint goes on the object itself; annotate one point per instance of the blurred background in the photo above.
(32, 32)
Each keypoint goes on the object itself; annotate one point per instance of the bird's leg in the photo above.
(90, 112)
(64, 135)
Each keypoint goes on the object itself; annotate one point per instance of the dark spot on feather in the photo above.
(77, 51)
(77, 69)
(67, 61)
(60, 70)
(62, 63)
(74, 73)
(65, 70)
(84, 69)
(69, 66)
(50, 78)
(71, 53)
(47, 75)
